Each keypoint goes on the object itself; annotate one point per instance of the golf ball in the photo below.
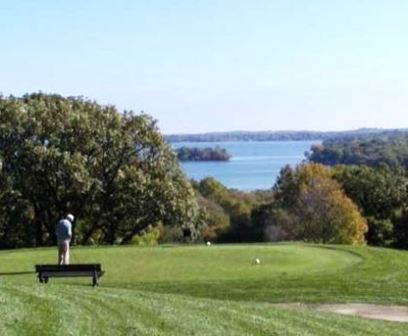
(257, 261)
(208, 243)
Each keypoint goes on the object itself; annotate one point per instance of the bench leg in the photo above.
(95, 279)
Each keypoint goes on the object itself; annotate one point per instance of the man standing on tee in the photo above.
(64, 234)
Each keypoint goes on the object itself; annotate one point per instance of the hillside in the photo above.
(201, 290)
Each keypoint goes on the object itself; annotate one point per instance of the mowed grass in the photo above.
(200, 290)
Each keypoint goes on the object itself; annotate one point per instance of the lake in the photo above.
(254, 165)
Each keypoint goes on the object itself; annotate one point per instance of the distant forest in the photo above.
(282, 135)
(378, 150)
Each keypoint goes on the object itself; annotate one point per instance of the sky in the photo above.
(216, 65)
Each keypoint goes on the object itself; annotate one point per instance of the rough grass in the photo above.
(199, 290)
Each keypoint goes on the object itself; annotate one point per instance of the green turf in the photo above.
(200, 290)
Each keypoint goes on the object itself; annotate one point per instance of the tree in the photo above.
(309, 205)
(400, 230)
(228, 212)
(377, 191)
(216, 221)
(114, 171)
(380, 193)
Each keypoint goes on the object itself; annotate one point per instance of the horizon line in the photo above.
(292, 131)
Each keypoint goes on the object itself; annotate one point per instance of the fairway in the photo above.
(203, 290)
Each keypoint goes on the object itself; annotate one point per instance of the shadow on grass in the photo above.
(15, 273)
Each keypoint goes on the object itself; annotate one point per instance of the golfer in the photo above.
(64, 234)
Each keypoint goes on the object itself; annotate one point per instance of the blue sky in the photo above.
(206, 65)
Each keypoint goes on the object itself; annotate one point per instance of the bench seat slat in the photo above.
(72, 267)
(69, 274)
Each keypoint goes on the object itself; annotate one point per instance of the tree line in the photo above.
(363, 133)
(313, 203)
(391, 150)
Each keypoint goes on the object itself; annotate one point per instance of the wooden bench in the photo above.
(73, 270)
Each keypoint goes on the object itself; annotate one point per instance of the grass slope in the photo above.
(200, 290)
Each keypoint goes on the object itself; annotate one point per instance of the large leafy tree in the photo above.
(381, 195)
(310, 205)
(114, 171)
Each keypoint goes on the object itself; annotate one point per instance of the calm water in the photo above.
(254, 165)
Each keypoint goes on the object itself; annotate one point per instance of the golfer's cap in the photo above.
(70, 217)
